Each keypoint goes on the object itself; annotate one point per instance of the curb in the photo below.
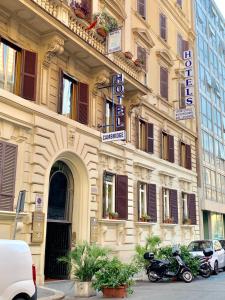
(57, 294)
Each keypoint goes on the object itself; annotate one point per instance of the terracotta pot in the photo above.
(101, 31)
(84, 289)
(79, 13)
(128, 55)
(119, 292)
(138, 63)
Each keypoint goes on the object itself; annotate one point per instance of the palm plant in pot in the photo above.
(114, 278)
(84, 260)
(106, 23)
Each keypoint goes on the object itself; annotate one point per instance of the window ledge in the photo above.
(11, 215)
(145, 223)
(165, 43)
(168, 225)
(164, 101)
(144, 21)
(112, 221)
(187, 226)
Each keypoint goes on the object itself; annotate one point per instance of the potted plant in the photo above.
(114, 278)
(138, 63)
(113, 215)
(145, 218)
(80, 9)
(106, 23)
(169, 220)
(128, 54)
(84, 260)
(187, 221)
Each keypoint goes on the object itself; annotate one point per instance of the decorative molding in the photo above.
(144, 36)
(165, 56)
(55, 47)
(116, 7)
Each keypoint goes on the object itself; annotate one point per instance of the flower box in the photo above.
(102, 32)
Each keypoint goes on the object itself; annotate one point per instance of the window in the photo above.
(142, 56)
(181, 90)
(185, 156)
(141, 8)
(167, 147)
(189, 209)
(182, 45)
(164, 83)
(170, 206)
(109, 116)
(18, 70)
(146, 136)
(115, 116)
(163, 27)
(115, 195)
(74, 99)
(8, 158)
(147, 210)
(179, 2)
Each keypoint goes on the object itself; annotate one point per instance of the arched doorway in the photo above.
(59, 220)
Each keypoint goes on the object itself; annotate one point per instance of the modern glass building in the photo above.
(210, 30)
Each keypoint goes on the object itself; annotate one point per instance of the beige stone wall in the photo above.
(43, 136)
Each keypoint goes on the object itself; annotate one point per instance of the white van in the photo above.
(17, 274)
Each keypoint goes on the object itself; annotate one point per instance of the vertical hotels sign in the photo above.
(188, 74)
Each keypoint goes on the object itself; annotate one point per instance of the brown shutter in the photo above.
(83, 101)
(138, 200)
(150, 138)
(141, 8)
(179, 2)
(171, 148)
(185, 45)
(182, 95)
(122, 117)
(60, 100)
(173, 205)
(137, 130)
(151, 202)
(28, 75)
(8, 158)
(163, 26)
(164, 82)
(142, 56)
(122, 196)
(188, 157)
(192, 208)
(87, 4)
(103, 202)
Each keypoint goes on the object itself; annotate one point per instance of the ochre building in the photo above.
(55, 103)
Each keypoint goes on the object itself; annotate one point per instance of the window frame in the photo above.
(166, 204)
(144, 192)
(144, 16)
(105, 189)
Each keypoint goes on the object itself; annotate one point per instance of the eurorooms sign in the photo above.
(114, 136)
(114, 41)
(184, 114)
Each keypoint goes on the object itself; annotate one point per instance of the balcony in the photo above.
(57, 16)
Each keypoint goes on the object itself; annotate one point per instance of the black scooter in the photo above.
(205, 269)
(159, 269)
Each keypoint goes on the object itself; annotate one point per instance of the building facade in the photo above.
(210, 30)
(56, 101)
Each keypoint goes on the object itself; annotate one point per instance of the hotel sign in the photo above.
(114, 136)
(188, 74)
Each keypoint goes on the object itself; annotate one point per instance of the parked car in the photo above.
(17, 274)
(217, 261)
(222, 242)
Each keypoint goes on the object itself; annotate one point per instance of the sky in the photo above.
(221, 6)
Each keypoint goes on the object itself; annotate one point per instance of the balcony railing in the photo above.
(61, 11)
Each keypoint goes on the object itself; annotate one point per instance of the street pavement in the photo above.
(212, 288)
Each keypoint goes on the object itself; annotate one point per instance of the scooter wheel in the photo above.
(187, 276)
(207, 274)
(152, 277)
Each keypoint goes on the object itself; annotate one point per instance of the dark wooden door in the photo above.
(57, 245)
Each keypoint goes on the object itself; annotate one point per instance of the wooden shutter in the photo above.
(137, 131)
(188, 157)
(83, 102)
(151, 202)
(192, 208)
(150, 138)
(138, 200)
(122, 196)
(163, 26)
(171, 148)
(174, 205)
(185, 46)
(164, 83)
(88, 4)
(104, 196)
(28, 75)
(142, 56)
(8, 159)
(141, 8)
(179, 2)
(60, 99)
(182, 95)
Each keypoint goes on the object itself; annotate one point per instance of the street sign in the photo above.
(114, 136)
(184, 114)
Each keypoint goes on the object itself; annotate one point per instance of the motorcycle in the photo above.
(205, 269)
(159, 269)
